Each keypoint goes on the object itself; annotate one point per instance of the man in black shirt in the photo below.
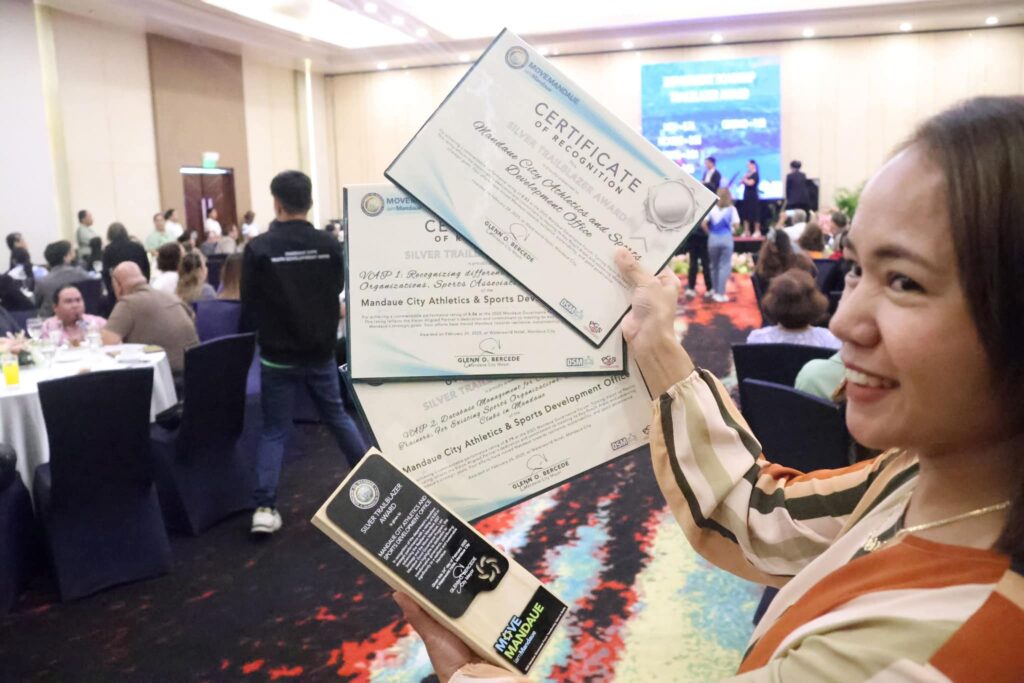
(291, 281)
(797, 194)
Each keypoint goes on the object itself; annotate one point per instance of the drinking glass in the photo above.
(10, 368)
(34, 327)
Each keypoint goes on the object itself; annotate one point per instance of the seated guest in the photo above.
(249, 227)
(15, 240)
(840, 224)
(69, 317)
(168, 258)
(60, 256)
(12, 297)
(144, 315)
(794, 301)
(22, 269)
(796, 222)
(230, 278)
(212, 223)
(777, 256)
(8, 325)
(812, 241)
(192, 284)
(121, 248)
(159, 236)
(821, 376)
(228, 244)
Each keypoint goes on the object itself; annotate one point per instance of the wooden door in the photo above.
(205, 188)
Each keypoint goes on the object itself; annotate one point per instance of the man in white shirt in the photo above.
(249, 227)
(171, 224)
(212, 225)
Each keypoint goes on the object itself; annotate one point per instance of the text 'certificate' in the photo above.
(546, 182)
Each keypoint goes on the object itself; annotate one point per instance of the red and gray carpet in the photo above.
(643, 606)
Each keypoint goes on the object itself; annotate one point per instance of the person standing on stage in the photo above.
(751, 199)
(712, 177)
(797, 194)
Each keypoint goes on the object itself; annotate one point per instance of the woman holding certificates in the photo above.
(907, 567)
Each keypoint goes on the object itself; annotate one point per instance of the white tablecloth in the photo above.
(21, 414)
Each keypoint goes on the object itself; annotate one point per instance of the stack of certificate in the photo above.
(484, 351)
(483, 301)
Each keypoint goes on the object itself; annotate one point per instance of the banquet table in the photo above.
(21, 414)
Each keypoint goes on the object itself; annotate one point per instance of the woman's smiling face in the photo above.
(917, 374)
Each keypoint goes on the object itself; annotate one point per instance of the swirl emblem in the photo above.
(364, 494)
(517, 57)
(372, 204)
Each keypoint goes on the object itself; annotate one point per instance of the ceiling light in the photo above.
(321, 20)
(808, 32)
(370, 8)
(463, 58)
(382, 66)
(627, 45)
(716, 38)
(906, 26)
(543, 51)
(421, 32)
(991, 21)
(398, 20)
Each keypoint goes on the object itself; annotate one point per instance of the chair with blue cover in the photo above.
(19, 547)
(779, 363)
(214, 263)
(202, 473)
(797, 430)
(96, 498)
(23, 316)
(828, 275)
(217, 318)
(92, 295)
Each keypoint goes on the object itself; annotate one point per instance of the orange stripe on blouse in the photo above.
(995, 630)
(911, 563)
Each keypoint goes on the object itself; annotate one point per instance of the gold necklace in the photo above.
(874, 542)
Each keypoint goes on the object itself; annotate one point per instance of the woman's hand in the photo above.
(649, 327)
(447, 651)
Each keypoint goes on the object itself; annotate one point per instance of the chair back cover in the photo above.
(92, 295)
(97, 424)
(215, 375)
(796, 429)
(828, 276)
(23, 316)
(214, 262)
(779, 363)
(216, 318)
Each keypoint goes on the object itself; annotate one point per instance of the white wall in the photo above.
(106, 116)
(845, 102)
(26, 167)
(272, 129)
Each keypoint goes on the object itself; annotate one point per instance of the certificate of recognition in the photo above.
(482, 445)
(547, 183)
(422, 303)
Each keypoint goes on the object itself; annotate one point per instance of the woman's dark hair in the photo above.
(986, 212)
(776, 255)
(21, 257)
(95, 248)
(168, 213)
(191, 277)
(795, 165)
(812, 238)
(168, 257)
(752, 161)
(117, 232)
(793, 300)
(249, 216)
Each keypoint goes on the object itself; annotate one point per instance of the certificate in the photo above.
(423, 304)
(547, 183)
(482, 445)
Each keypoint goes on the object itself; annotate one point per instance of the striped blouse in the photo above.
(914, 610)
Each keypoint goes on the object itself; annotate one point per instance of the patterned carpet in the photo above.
(643, 606)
